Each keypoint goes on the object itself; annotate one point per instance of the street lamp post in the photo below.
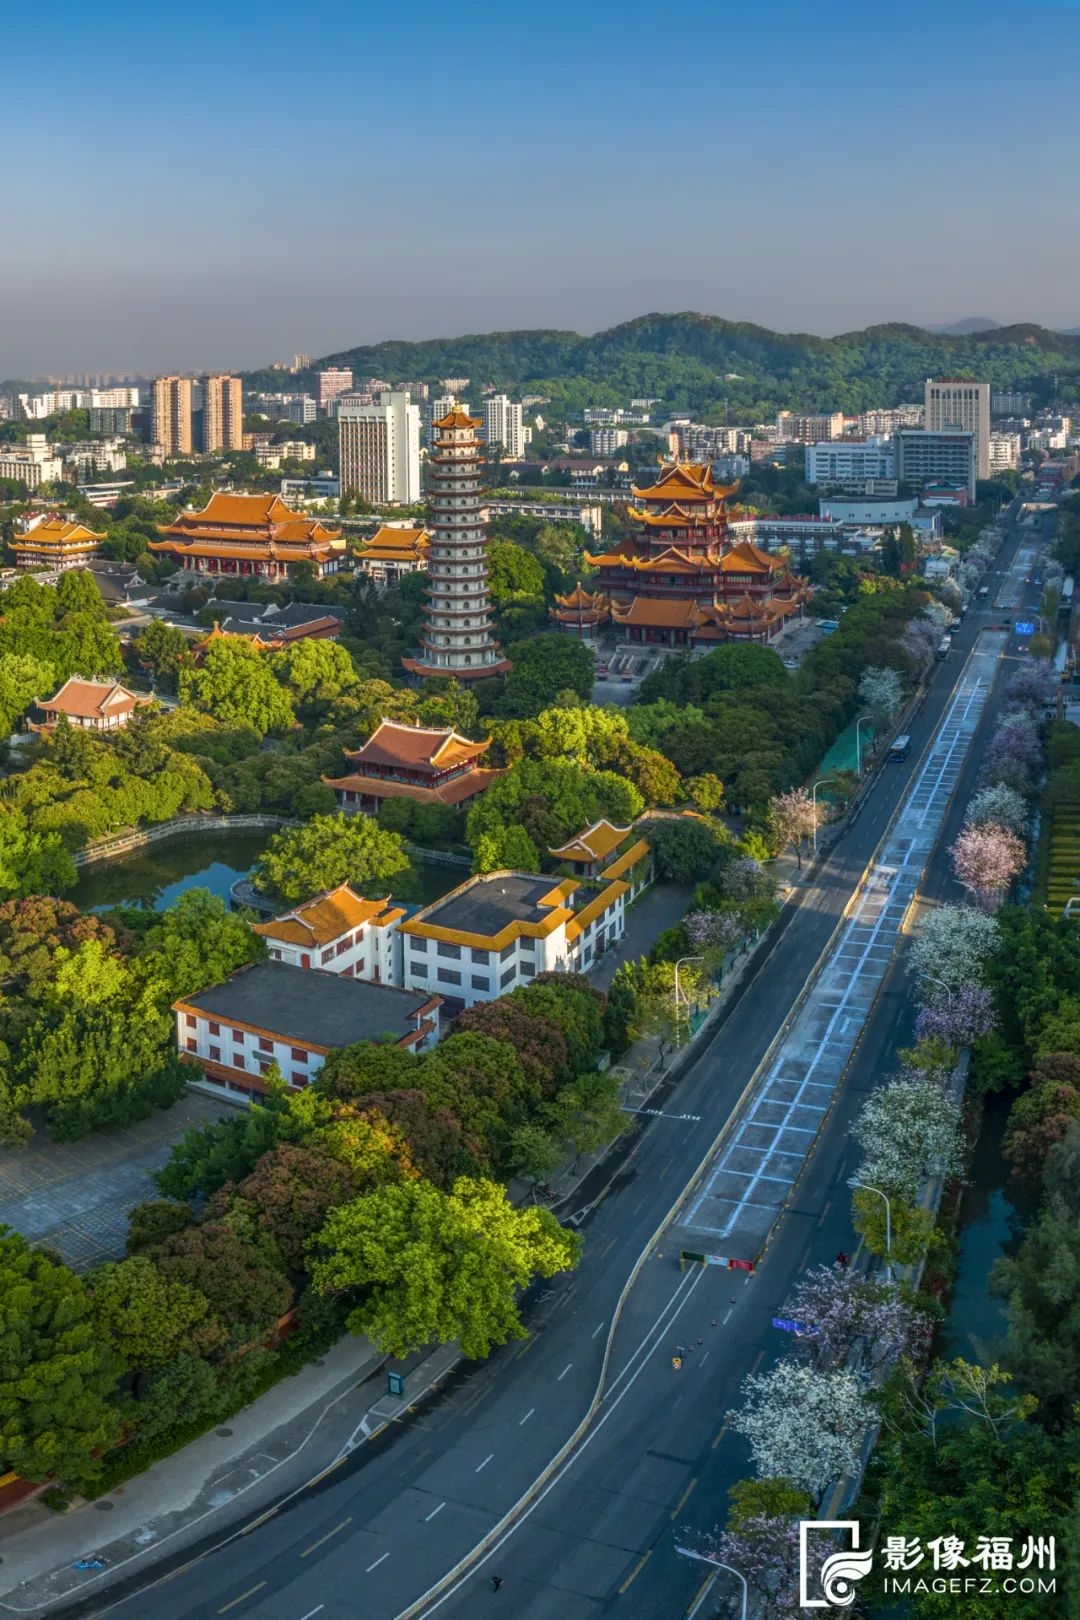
(933, 978)
(866, 1187)
(813, 806)
(717, 1563)
(858, 742)
(678, 965)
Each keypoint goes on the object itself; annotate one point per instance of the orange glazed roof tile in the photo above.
(580, 597)
(92, 700)
(456, 791)
(652, 610)
(685, 480)
(327, 917)
(459, 419)
(594, 843)
(440, 748)
(320, 550)
(747, 558)
(58, 531)
(387, 542)
(629, 857)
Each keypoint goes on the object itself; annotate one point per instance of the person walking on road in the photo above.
(496, 1582)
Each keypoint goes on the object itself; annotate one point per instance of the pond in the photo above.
(993, 1215)
(154, 877)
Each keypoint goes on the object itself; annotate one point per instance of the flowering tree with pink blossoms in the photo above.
(959, 1020)
(765, 1551)
(1033, 685)
(842, 1306)
(1012, 756)
(986, 859)
(920, 642)
(792, 818)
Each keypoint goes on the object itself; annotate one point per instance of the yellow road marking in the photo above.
(636, 1571)
(333, 1465)
(700, 1593)
(681, 1503)
(327, 1536)
(249, 1593)
(758, 1359)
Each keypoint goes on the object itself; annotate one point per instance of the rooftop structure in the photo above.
(272, 1012)
(391, 553)
(428, 765)
(90, 705)
(581, 611)
(339, 932)
(682, 581)
(250, 535)
(457, 638)
(56, 542)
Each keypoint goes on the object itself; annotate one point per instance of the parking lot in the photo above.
(74, 1196)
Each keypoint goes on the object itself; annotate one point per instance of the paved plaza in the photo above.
(74, 1196)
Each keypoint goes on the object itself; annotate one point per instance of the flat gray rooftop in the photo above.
(305, 1005)
(492, 902)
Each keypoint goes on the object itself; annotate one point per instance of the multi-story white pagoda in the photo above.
(458, 638)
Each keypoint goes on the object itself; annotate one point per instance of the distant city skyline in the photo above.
(810, 174)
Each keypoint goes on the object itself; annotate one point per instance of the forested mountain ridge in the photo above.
(688, 360)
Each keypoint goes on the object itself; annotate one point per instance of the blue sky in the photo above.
(225, 184)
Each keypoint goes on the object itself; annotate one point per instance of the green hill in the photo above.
(688, 359)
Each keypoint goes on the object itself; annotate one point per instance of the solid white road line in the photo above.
(599, 1329)
(312, 1612)
(564, 1372)
(376, 1564)
(433, 1512)
(527, 1416)
(485, 1462)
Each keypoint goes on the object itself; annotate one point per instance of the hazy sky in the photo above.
(223, 184)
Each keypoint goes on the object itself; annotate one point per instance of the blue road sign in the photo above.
(787, 1325)
(1024, 627)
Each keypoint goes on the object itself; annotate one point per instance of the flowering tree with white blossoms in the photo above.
(920, 642)
(949, 594)
(1001, 805)
(960, 1019)
(792, 817)
(802, 1425)
(718, 931)
(744, 879)
(954, 944)
(880, 691)
(909, 1130)
(939, 616)
(986, 859)
(1013, 755)
(842, 1307)
(969, 574)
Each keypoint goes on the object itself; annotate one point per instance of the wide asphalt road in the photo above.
(384, 1528)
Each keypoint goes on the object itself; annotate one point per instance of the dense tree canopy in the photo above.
(302, 861)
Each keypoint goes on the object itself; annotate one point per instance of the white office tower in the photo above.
(961, 405)
(379, 449)
(503, 426)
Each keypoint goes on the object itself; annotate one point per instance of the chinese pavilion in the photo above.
(413, 762)
(56, 542)
(250, 535)
(682, 582)
(457, 638)
(582, 611)
(391, 553)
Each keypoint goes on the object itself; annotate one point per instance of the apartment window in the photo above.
(275, 955)
(298, 1054)
(528, 969)
(507, 977)
(265, 1045)
(505, 955)
(215, 1054)
(449, 976)
(215, 1029)
(299, 1079)
(189, 1020)
(343, 945)
(264, 1067)
(192, 1046)
(526, 943)
(452, 951)
(327, 956)
(480, 981)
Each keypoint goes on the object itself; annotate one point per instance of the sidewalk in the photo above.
(294, 1433)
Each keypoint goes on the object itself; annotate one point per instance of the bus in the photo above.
(899, 749)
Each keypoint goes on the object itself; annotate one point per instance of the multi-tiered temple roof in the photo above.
(250, 535)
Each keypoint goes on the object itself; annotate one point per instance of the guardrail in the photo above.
(108, 849)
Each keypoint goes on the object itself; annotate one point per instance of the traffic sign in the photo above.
(1024, 627)
(787, 1325)
(395, 1383)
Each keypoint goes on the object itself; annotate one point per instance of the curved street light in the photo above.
(866, 1187)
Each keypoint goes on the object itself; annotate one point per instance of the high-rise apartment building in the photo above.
(792, 428)
(379, 449)
(170, 419)
(330, 383)
(442, 405)
(222, 414)
(961, 405)
(458, 637)
(924, 457)
(503, 426)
